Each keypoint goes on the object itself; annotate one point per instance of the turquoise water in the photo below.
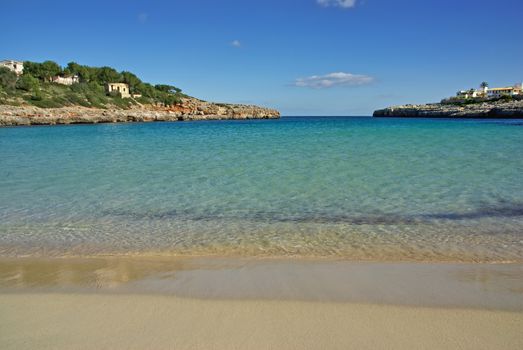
(355, 188)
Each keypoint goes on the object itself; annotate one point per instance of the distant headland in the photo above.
(485, 102)
(45, 93)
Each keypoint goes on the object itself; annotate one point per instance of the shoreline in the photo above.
(472, 285)
(203, 303)
(19, 251)
(485, 110)
(190, 110)
(168, 255)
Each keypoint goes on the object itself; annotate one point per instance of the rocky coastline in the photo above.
(497, 109)
(190, 109)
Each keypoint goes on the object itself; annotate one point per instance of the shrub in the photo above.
(115, 94)
(144, 100)
(96, 100)
(170, 100)
(46, 104)
(7, 78)
(76, 99)
(28, 83)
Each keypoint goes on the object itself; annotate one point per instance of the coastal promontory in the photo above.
(189, 109)
(45, 93)
(485, 102)
(487, 109)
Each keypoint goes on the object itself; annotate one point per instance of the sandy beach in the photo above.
(84, 321)
(261, 175)
(204, 303)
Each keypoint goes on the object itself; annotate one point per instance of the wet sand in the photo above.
(144, 303)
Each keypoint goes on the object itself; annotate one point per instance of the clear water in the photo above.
(354, 188)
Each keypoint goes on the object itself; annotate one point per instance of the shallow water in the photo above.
(356, 188)
(478, 286)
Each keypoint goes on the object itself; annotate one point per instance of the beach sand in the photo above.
(252, 304)
(71, 321)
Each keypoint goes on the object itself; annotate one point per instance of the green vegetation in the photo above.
(35, 87)
(7, 79)
(476, 100)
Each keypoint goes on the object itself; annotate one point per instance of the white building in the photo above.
(490, 93)
(15, 66)
(66, 80)
(504, 91)
(121, 88)
(467, 93)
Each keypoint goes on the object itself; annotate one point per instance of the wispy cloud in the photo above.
(236, 43)
(143, 17)
(333, 79)
(337, 3)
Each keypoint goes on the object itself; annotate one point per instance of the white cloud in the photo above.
(337, 3)
(333, 79)
(143, 17)
(236, 43)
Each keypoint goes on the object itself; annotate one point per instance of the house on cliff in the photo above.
(504, 91)
(66, 80)
(491, 93)
(121, 88)
(15, 66)
(465, 94)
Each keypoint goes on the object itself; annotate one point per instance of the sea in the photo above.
(352, 188)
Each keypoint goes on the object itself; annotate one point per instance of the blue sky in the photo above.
(304, 57)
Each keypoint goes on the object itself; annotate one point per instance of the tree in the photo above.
(146, 90)
(7, 78)
(28, 83)
(72, 68)
(83, 72)
(32, 68)
(107, 75)
(50, 69)
(167, 88)
(43, 71)
(483, 85)
(91, 87)
(132, 80)
(170, 100)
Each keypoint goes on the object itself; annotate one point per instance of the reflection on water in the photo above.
(96, 273)
(450, 285)
(493, 279)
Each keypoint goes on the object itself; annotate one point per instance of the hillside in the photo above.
(46, 93)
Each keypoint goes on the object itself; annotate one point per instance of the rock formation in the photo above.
(497, 109)
(189, 109)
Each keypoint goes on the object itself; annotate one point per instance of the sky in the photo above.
(303, 57)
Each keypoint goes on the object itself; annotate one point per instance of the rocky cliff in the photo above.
(189, 109)
(497, 109)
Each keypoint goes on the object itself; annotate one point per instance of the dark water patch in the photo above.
(506, 122)
(273, 217)
(501, 209)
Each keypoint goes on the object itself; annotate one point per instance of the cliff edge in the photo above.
(494, 109)
(189, 109)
